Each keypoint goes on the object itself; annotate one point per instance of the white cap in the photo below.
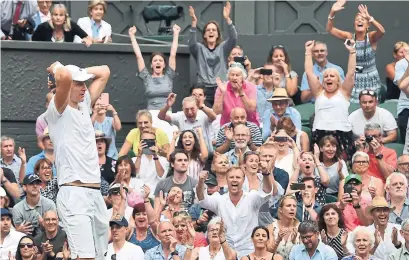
(79, 74)
(2, 192)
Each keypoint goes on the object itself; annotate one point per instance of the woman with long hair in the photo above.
(220, 165)
(49, 185)
(126, 174)
(287, 151)
(309, 166)
(60, 28)
(400, 50)
(26, 249)
(212, 53)
(158, 82)
(171, 204)
(332, 100)
(106, 163)
(261, 237)
(334, 165)
(133, 139)
(300, 137)
(365, 42)
(333, 232)
(194, 144)
(99, 30)
(279, 57)
(283, 231)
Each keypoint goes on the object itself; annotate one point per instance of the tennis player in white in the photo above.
(80, 205)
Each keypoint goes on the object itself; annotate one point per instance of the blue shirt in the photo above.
(319, 72)
(300, 210)
(95, 28)
(322, 252)
(262, 103)
(32, 162)
(290, 112)
(107, 127)
(400, 69)
(156, 253)
(14, 166)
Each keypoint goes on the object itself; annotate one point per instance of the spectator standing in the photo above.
(367, 76)
(49, 184)
(60, 28)
(10, 160)
(120, 248)
(80, 205)
(158, 84)
(240, 218)
(9, 238)
(399, 52)
(212, 53)
(266, 89)
(397, 189)
(280, 108)
(27, 214)
(41, 122)
(332, 98)
(47, 153)
(225, 142)
(43, 14)
(51, 241)
(191, 118)
(93, 25)
(10, 185)
(133, 139)
(107, 125)
(236, 92)
(312, 247)
(15, 15)
(319, 54)
(382, 160)
(370, 113)
(401, 75)
(106, 163)
(278, 56)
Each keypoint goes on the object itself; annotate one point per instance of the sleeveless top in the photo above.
(204, 254)
(369, 77)
(297, 138)
(149, 242)
(285, 246)
(331, 114)
(365, 194)
(272, 258)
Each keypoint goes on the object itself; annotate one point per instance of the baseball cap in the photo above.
(211, 180)
(5, 212)
(2, 192)
(116, 187)
(119, 220)
(79, 74)
(30, 179)
(351, 177)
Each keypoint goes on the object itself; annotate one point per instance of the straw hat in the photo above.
(101, 135)
(378, 202)
(279, 94)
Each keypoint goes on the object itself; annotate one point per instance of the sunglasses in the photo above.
(368, 92)
(278, 46)
(113, 257)
(23, 245)
(181, 213)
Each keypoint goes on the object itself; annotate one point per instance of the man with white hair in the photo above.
(241, 138)
(191, 118)
(81, 207)
(362, 241)
(397, 188)
(403, 252)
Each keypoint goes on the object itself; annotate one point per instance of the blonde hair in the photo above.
(399, 45)
(281, 205)
(335, 71)
(67, 23)
(93, 3)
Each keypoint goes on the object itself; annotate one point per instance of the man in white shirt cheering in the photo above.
(239, 210)
(81, 207)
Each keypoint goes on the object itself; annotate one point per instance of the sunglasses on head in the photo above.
(368, 92)
(23, 245)
(278, 46)
(181, 213)
(113, 257)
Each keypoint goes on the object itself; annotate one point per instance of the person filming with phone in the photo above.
(382, 160)
(308, 208)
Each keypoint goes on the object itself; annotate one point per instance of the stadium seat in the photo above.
(308, 131)
(306, 111)
(397, 147)
(353, 107)
(391, 106)
(330, 199)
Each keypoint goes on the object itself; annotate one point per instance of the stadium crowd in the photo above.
(244, 171)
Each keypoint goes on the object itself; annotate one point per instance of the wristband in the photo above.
(352, 52)
(331, 17)
(222, 242)
(115, 113)
(59, 65)
(308, 206)
(371, 19)
(242, 95)
(146, 201)
(155, 158)
(265, 174)
(357, 206)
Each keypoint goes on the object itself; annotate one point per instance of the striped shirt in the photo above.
(335, 243)
(254, 132)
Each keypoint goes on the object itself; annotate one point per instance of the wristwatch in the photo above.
(379, 156)
(174, 253)
(189, 247)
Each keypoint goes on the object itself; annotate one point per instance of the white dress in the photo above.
(204, 254)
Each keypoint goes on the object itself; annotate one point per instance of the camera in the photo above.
(368, 138)
(162, 13)
(359, 69)
(19, 33)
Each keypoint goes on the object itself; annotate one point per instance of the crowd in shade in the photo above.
(259, 164)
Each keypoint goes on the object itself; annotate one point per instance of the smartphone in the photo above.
(52, 80)
(348, 188)
(149, 143)
(210, 214)
(281, 139)
(266, 72)
(349, 43)
(239, 59)
(297, 186)
(104, 99)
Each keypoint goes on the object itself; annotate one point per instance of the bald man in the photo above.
(225, 142)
